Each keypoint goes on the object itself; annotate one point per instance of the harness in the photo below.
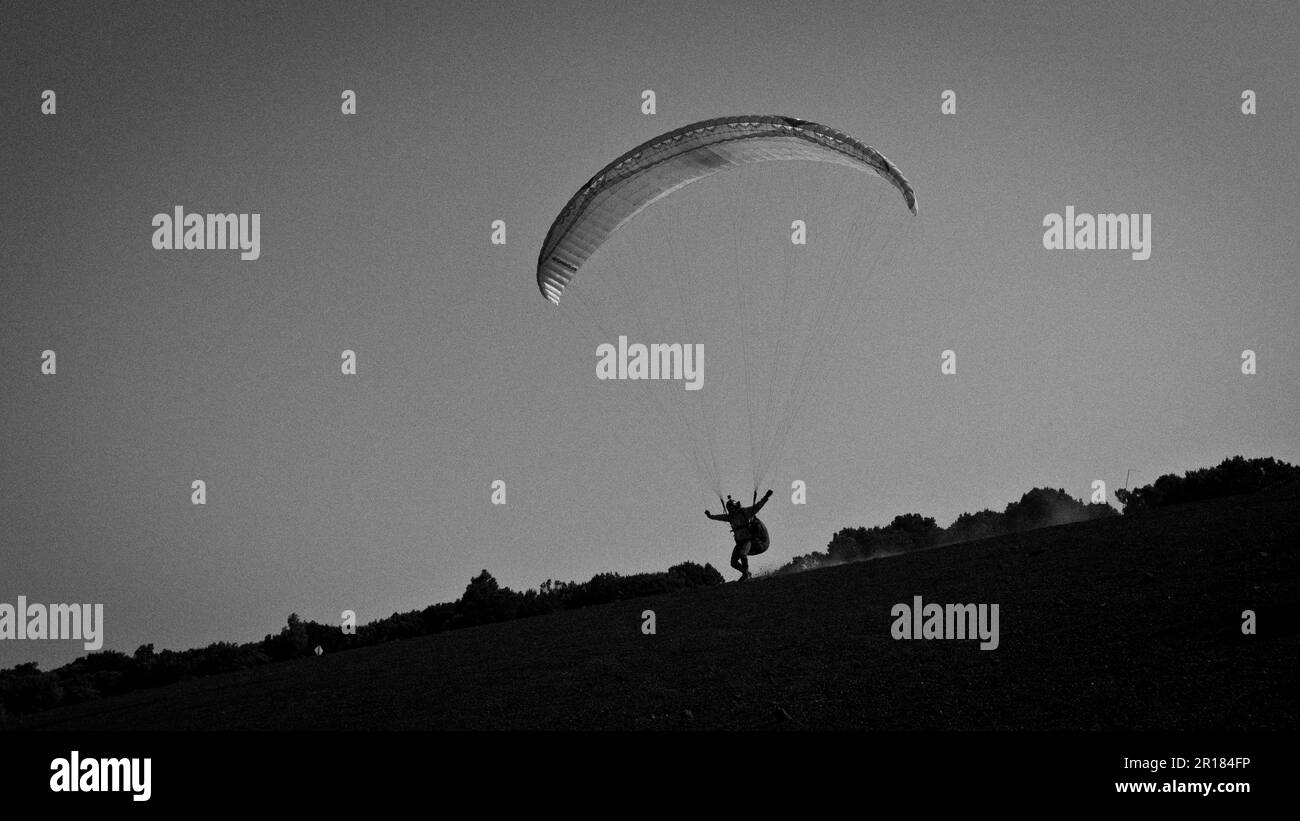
(753, 531)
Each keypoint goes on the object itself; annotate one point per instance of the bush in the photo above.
(1231, 477)
(25, 689)
(1040, 507)
(484, 601)
(693, 575)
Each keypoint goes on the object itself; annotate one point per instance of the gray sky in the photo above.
(371, 493)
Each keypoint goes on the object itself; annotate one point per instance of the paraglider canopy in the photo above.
(658, 167)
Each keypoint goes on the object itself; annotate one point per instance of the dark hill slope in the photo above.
(1115, 624)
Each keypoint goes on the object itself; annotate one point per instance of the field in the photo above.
(1123, 623)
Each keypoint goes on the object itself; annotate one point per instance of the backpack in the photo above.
(759, 540)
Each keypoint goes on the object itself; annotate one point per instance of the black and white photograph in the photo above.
(826, 399)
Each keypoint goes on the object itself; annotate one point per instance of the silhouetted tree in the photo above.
(1231, 477)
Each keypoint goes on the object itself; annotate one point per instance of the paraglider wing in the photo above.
(657, 168)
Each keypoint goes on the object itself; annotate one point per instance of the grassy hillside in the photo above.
(1124, 623)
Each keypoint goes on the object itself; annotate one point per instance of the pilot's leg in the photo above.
(740, 559)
